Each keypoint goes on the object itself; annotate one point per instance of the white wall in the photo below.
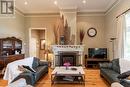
(13, 26)
(110, 20)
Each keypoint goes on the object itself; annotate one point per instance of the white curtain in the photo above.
(121, 36)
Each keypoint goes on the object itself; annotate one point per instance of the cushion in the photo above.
(124, 75)
(116, 84)
(43, 63)
(110, 75)
(115, 65)
(29, 68)
(35, 62)
(41, 70)
(105, 65)
(21, 68)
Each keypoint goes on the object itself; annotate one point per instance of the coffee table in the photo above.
(71, 75)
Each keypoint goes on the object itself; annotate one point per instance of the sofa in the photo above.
(41, 68)
(111, 71)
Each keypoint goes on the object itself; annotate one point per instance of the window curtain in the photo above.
(120, 37)
(127, 41)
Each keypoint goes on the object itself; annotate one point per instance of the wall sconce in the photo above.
(42, 44)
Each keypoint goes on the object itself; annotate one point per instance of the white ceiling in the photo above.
(45, 6)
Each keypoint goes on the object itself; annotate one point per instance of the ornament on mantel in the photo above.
(62, 32)
(82, 34)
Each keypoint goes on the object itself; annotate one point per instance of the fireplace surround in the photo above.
(70, 57)
(72, 53)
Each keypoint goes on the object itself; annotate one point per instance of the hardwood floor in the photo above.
(92, 79)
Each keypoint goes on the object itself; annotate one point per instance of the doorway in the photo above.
(37, 42)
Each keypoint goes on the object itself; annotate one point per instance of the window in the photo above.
(127, 39)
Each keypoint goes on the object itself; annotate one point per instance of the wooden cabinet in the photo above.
(94, 62)
(4, 60)
(10, 50)
(10, 45)
(11, 58)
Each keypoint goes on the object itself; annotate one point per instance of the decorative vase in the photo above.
(81, 43)
(67, 64)
(67, 68)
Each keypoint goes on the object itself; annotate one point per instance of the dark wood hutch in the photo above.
(10, 50)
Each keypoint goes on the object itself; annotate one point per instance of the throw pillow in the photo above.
(35, 62)
(115, 65)
(124, 75)
(29, 68)
(21, 68)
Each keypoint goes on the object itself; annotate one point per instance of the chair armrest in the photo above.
(105, 65)
(43, 63)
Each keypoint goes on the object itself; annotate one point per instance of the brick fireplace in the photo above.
(71, 53)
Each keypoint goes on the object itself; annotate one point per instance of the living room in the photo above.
(58, 30)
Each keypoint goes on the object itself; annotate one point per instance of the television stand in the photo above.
(94, 62)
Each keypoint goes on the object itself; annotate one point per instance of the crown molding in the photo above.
(19, 12)
(90, 14)
(69, 9)
(79, 13)
(58, 14)
(42, 15)
(112, 6)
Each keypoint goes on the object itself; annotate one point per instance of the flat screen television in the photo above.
(97, 53)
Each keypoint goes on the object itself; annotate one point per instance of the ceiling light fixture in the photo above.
(84, 1)
(25, 2)
(55, 2)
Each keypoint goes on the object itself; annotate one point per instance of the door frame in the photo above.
(30, 29)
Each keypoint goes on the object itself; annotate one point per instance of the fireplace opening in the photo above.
(68, 57)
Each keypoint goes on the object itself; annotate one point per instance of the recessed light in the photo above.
(25, 2)
(55, 2)
(84, 1)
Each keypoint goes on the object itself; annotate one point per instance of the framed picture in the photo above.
(42, 44)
